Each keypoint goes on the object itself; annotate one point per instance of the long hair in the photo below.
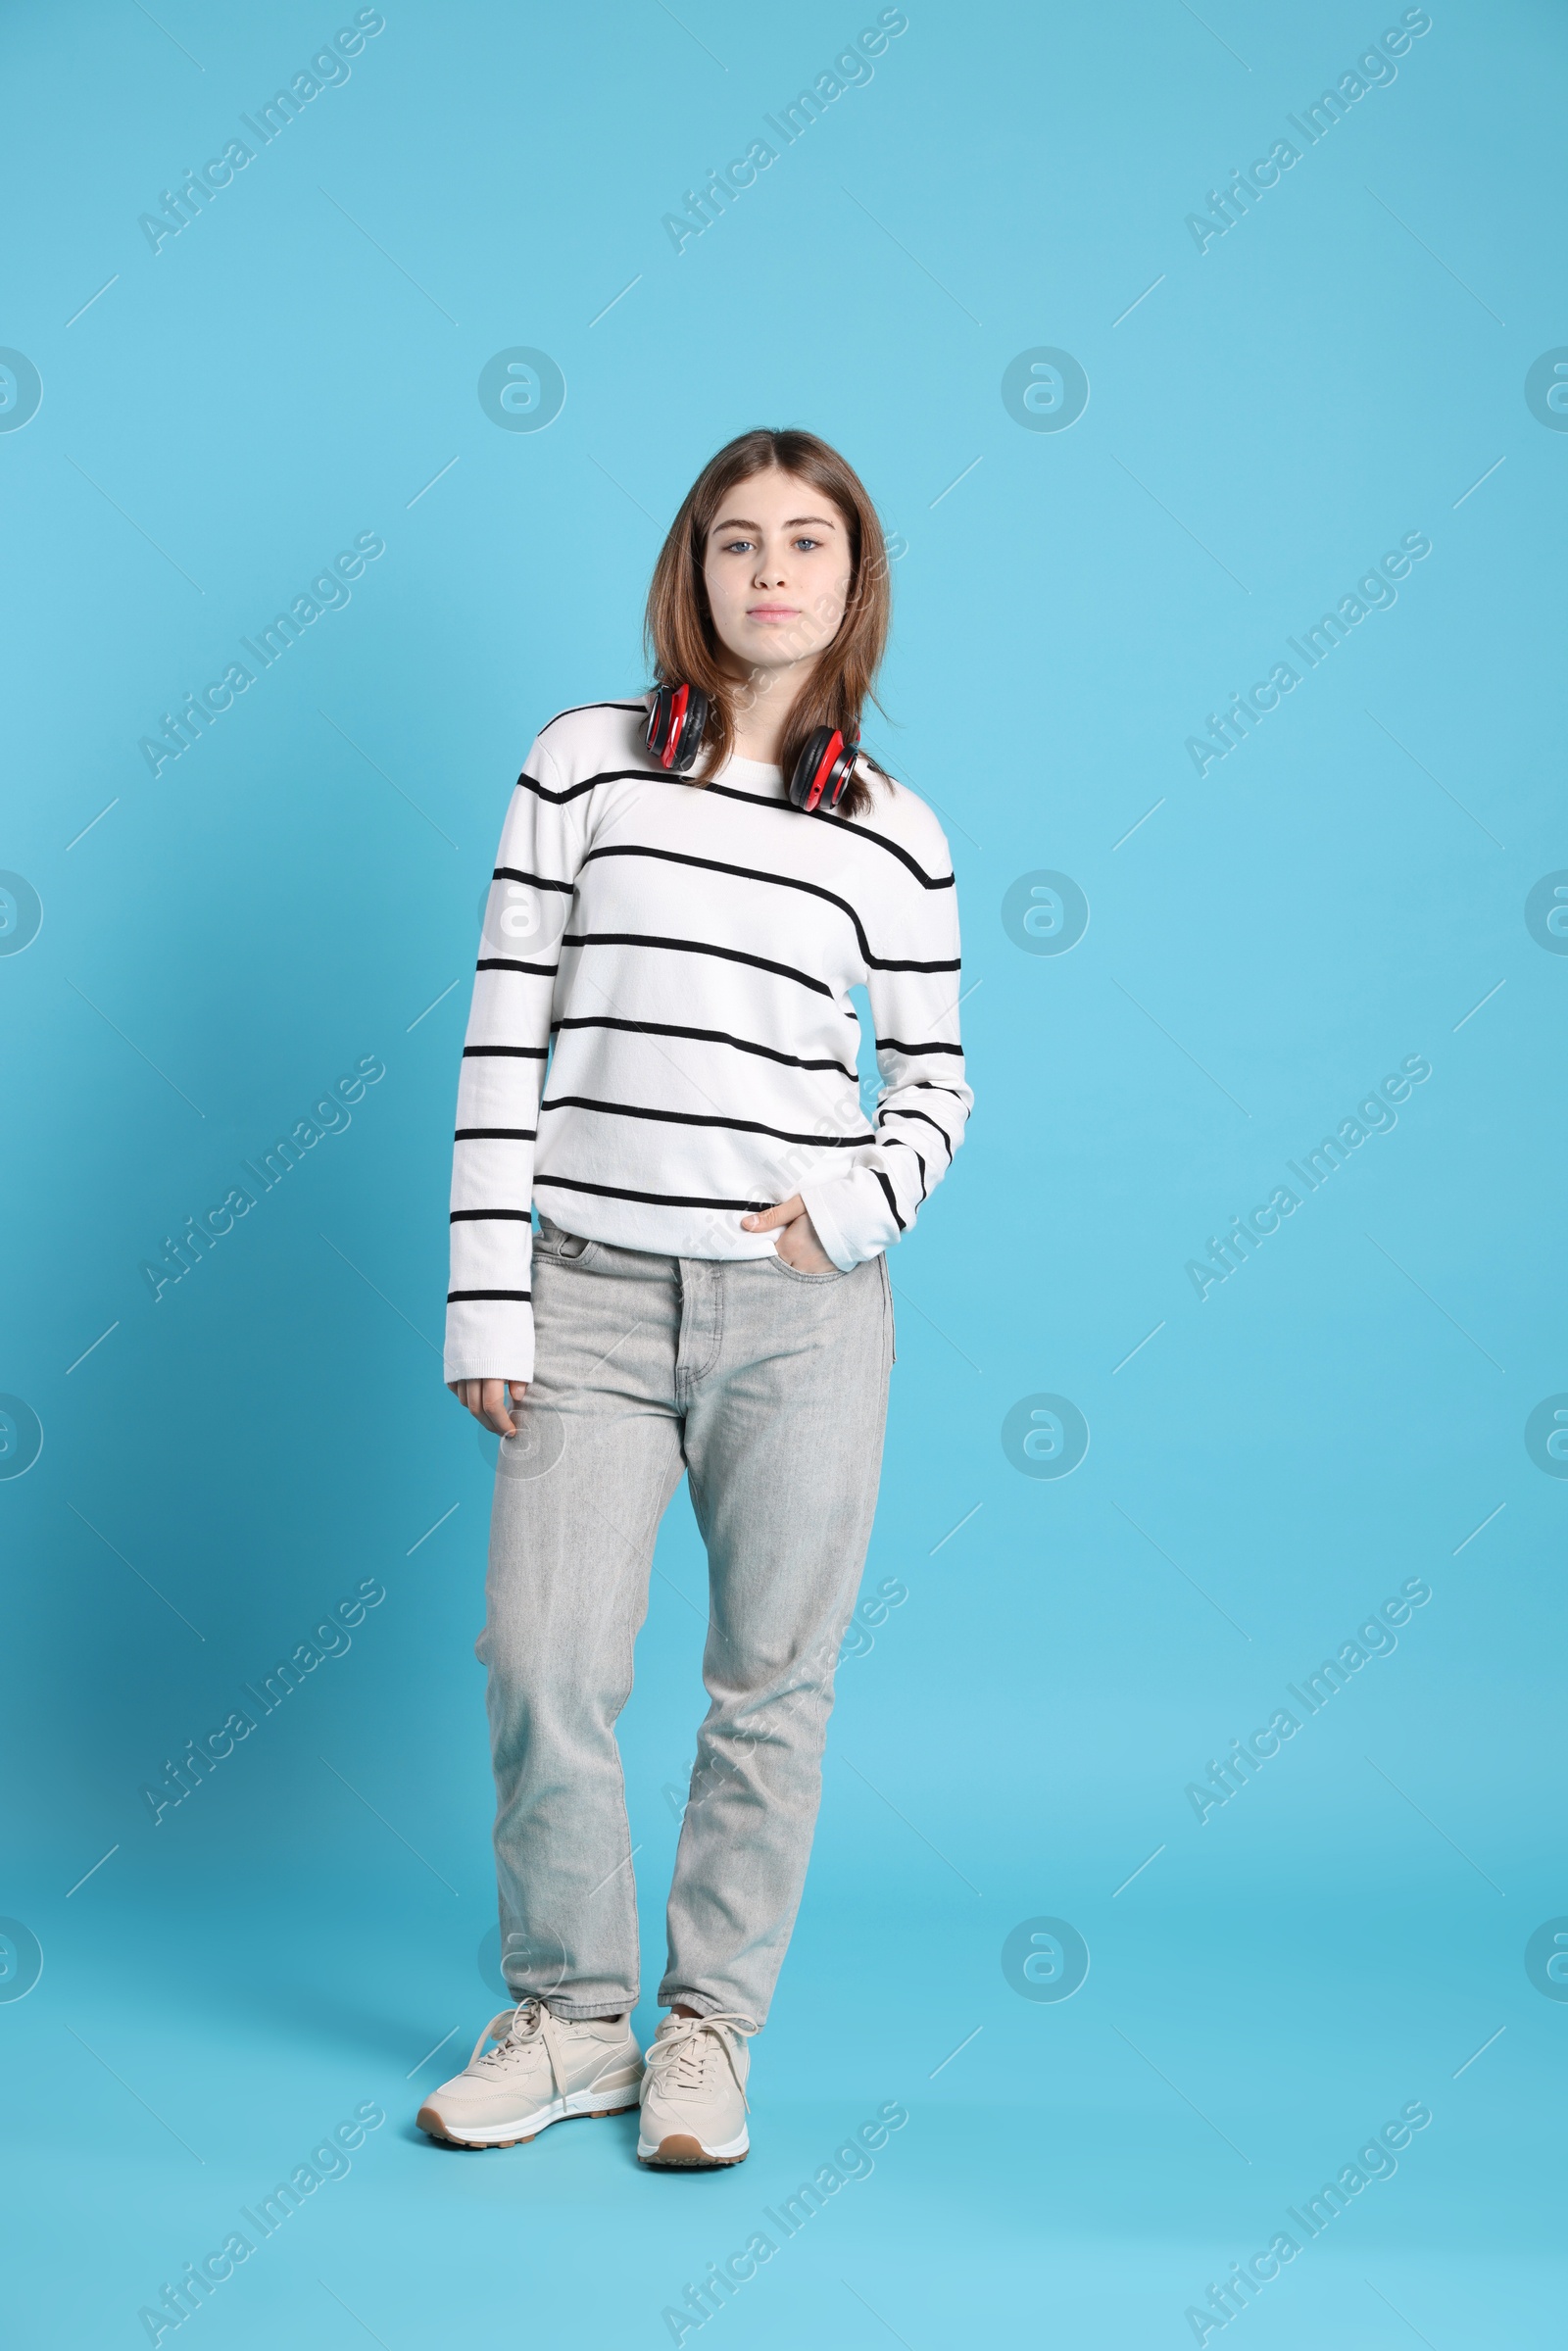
(678, 628)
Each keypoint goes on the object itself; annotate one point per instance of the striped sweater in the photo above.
(661, 1037)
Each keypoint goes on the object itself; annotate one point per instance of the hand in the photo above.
(797, 1242)
(486, 1399)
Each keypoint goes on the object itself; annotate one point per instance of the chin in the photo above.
(777, 647)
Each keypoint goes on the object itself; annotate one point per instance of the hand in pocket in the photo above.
(797, 1242)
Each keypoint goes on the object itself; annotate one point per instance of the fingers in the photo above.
(801, 1247)
(486, 1399)
(813, 1241)
(494, 1412)
(771, 1218)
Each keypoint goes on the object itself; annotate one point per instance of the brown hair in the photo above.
(678, 628)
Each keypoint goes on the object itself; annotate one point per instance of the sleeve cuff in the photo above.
(823, 1202)
(489, 1339)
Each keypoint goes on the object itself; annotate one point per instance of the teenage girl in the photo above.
(661, 1060)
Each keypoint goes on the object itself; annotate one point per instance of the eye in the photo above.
(805, 544)
(735, 546)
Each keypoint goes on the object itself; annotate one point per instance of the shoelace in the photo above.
(679, 2059)
(516, 2029)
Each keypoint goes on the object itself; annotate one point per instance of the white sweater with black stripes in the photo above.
(661, 1037)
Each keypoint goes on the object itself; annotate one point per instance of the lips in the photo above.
(772, 611)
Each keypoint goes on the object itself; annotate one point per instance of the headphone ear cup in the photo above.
(810, 774)
(840, 773)
(678, 712)
(694, 726)
(824, 769)
(655, 732)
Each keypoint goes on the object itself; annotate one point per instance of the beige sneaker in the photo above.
(694, 2093)
(542, 2070)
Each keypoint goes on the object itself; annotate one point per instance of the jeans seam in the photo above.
(690, 1377)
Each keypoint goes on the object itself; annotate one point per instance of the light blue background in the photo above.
(299, 890)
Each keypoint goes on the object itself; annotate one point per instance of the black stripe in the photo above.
(847, 824)
(640, 707)
(931, 1086)
(509, 1133)
(655, 1200)
(782, 881)
(490, 1216)
(540, 881)
(458, 1297)
(698, 1118)
(892, 1202)
(897, 1111)
(755, 800)
(543, 971)
(695, 947)
(742, 1044)
(896, 1045)
(925, 1183)
(610, 776)
(510, 1053)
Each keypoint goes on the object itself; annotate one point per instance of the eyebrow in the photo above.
(739, 522)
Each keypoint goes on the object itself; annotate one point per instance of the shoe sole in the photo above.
(680, 2152)
(574, 2108)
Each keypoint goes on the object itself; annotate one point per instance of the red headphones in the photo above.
(678, 719)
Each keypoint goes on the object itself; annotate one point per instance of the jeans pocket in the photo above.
(793, 1273)
(557, 1246)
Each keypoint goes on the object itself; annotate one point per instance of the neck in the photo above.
(764, 704)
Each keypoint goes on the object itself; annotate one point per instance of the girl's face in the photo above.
(777, 571)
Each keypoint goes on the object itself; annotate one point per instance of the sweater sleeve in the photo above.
(489, 1306)
(923, 1104)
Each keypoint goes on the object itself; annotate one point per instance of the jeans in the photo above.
(769, 1388)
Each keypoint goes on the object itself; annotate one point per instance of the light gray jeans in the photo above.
(769, 1388)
